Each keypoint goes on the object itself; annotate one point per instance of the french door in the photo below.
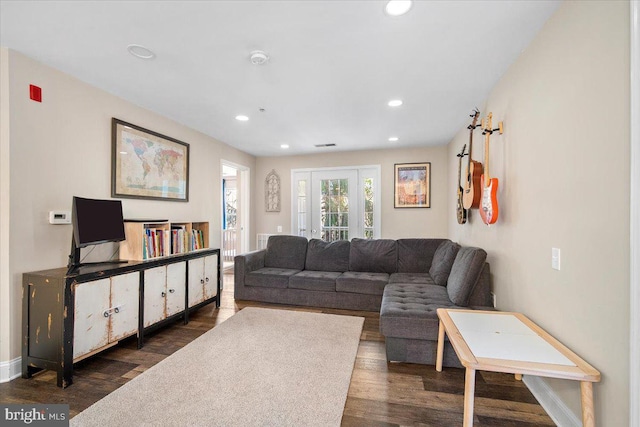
(336, 204)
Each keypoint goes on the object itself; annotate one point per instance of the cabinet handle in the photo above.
(171, 291)
(207, 279)
(164, 294)
(116, 310)
(202, 281)
(106, 313)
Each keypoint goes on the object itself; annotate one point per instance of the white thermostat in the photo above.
(60, 217)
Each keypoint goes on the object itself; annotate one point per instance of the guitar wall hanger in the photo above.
(491, 131)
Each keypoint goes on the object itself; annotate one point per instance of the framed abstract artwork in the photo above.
(412, 185)
(148, 165)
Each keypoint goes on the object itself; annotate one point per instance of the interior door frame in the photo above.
(634, 206)
(244, 203)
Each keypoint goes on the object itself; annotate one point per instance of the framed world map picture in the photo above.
(148, 165)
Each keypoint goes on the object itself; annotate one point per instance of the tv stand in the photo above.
(69, 314)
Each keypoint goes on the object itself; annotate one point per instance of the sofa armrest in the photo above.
(243, 265)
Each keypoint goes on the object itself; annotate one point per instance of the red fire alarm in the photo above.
(35, 93)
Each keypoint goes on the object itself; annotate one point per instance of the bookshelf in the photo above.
(146, 240)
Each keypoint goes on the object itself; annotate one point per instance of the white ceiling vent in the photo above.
(258, 57)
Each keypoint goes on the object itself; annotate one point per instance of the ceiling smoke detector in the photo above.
(258, 57)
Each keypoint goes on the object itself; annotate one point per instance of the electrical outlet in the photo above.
(493, 298)
(279, 229)
(555, 258)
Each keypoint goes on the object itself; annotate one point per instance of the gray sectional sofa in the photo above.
(405, 279)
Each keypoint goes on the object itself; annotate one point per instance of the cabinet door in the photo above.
(125, 295)
(210, 276)
(176, 288)
(91, 326)
(196, 281)
(155, 281)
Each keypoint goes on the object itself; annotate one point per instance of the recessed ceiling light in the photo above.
(284, 146)
(397, 7)
(140, 51)
(395, 103)
(393, 139)
(242, 118)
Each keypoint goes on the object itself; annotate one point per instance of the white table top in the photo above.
(505, 337)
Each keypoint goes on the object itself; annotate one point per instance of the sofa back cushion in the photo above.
(286, 252)
(465, 274)
(373, 256)
(443, 259)
(328, 256)
(416, 255)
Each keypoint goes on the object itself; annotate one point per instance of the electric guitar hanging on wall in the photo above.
(461, 212)
(472, 187)
(489, 202)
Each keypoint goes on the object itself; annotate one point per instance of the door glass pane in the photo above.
(368, 208)
(302, 208)
(334, 208)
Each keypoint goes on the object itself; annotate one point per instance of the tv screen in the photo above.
(97, 221)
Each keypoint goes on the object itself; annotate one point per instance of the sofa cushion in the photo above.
(270, 277)
(374, 256)
(362, 283)
(416, 255)
(443, 260)
(409, 311)
(286, 252)
(464, 274)
(314, 280)
(412, 278)
(328, 256)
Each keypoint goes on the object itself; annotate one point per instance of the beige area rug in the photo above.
(261, 367)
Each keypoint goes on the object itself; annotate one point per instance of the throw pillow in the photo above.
(443, 261)
(465, 274)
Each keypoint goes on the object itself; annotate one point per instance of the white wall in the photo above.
(62, 147)
(563, 167)
(396, 223)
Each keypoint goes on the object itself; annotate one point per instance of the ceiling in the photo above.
(333, 65)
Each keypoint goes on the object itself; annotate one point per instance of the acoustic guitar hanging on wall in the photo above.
(489, 203)
(472, 187)
(461, 212)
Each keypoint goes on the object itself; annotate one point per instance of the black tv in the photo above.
(94, 221)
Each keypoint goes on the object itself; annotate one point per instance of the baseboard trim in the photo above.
(555, 407)
(10, 370)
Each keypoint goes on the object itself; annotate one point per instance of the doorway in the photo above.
(235, 212)
(337, 203)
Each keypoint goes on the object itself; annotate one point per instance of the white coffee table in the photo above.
(508, 342)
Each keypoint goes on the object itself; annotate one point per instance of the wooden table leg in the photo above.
(440, 351)
(469, 394)
(586, 394)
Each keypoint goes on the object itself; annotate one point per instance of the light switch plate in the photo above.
(555, 258)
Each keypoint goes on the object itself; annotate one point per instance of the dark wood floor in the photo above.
(380, 393)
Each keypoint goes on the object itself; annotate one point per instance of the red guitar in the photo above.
(489, 203)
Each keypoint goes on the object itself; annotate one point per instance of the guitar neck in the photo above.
(486, 159)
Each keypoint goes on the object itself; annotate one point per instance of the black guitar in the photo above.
(461, 212)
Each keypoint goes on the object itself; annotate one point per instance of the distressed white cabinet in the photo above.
(105, 311)
(68, 315)
(164, 292)
(203, 279)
